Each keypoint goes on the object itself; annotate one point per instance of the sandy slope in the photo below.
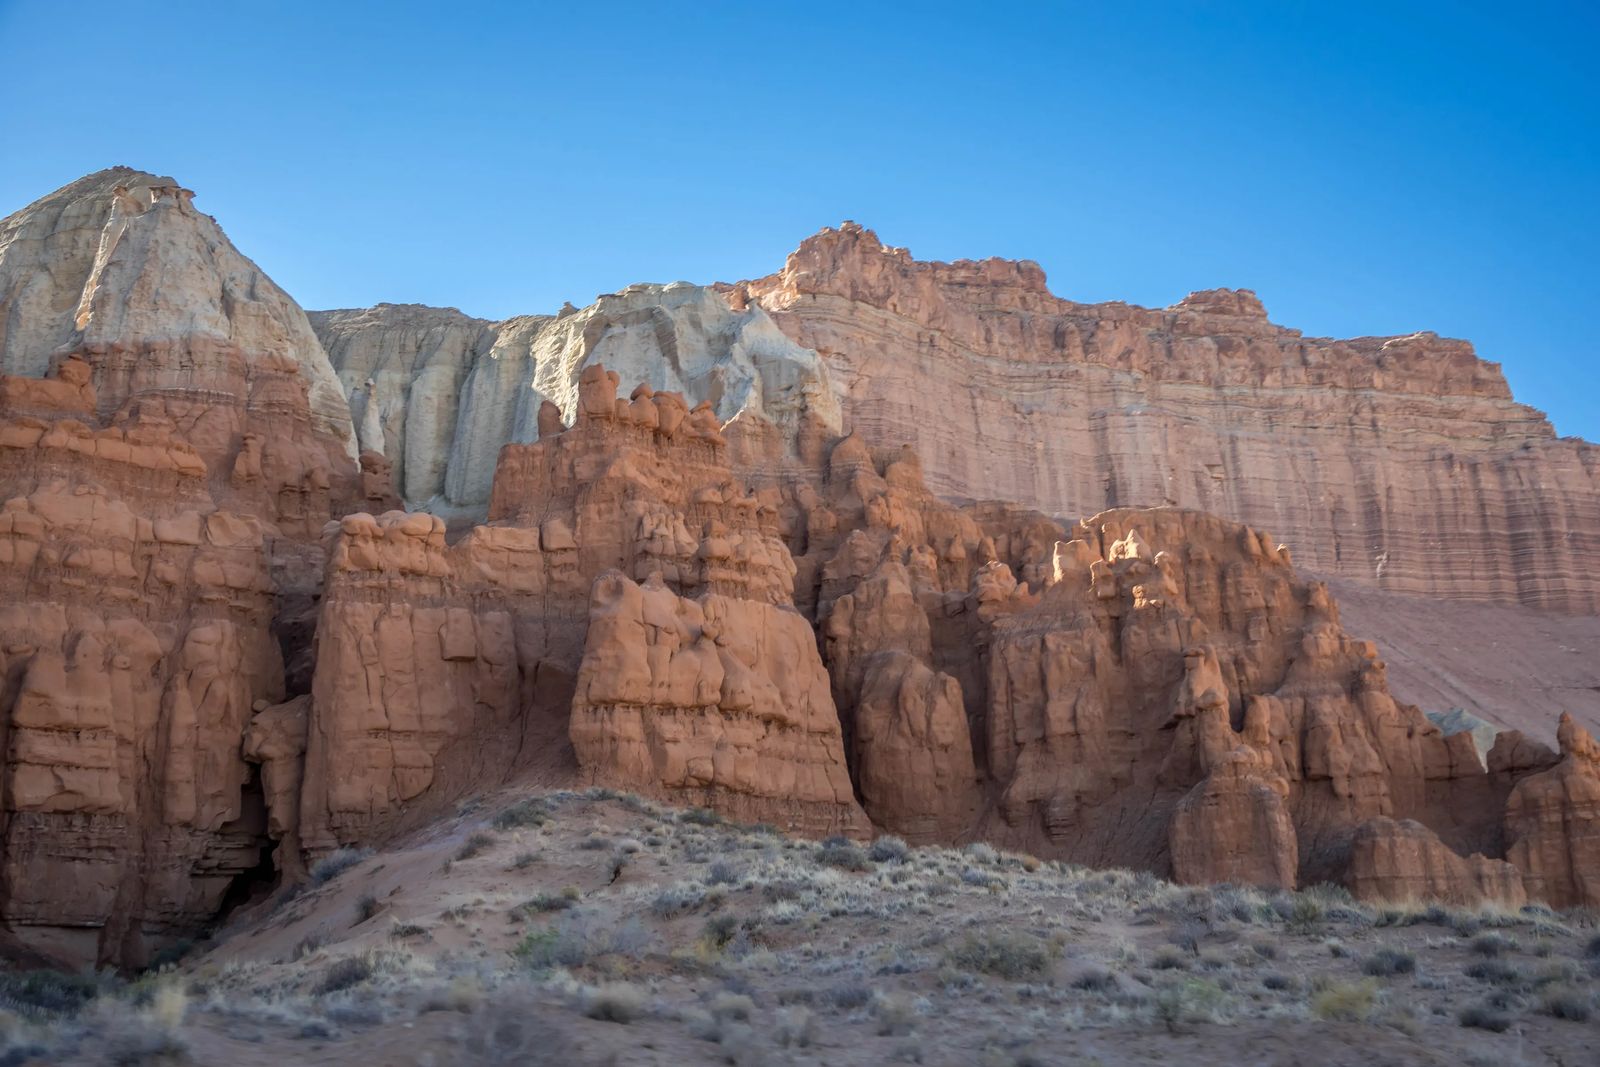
(1513, 666)
(617, 932)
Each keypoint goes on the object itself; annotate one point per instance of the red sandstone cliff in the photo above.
(1401, 462)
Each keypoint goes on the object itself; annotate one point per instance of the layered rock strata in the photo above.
(1400, 462)
(135, 640)
(225, 652)
(439, 392)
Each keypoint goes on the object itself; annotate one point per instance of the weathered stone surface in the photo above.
(438, 392)
(218, 632)
(120, 271)
(714, 700)
(1553, 824)
(1402, 462)
(1178, 672)
(135, 637)
(1405, 861)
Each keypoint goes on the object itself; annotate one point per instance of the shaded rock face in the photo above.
(1402, 462)
(720, 700)
(443, 668)
(135, 640)
(438, 392)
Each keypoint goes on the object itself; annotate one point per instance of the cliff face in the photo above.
(225, 651)
(438, 392)
(1401, 462)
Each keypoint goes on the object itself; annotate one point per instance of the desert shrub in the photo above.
(615, 1003)
(1265, 949)
(981, 879)
(1004, 955)
(1190, 1001)
(700, 817)
(721, 929)
(728, 1005)
(722, 873)
(523, 861)
(1095, 980)
(1306, 912)
(574, 942)
(1565, 1002)
(524, 813)
(309, 944)
(594, 843)
(1492, 945)
(1388, 962)
(366, 908)
(1485, 1017)
(403, 930)
(896, 1014)
(1350, 1002)
(849, 995)
(978, 852)
(547, 902)
(888, 849)
(342, 974)
(1495, 971)
(1278, 982)
(843, 854)
(474, 845)
(796, 1027)
(336, 863)
(1187, 936)
(1169, 958)
(677, 899)
(47, 992)
(1592, 949)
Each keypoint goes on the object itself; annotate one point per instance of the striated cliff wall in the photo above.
(225, 651)
(438, 392)
(1399, 462)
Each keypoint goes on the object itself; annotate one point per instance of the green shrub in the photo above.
(1388, 962)
(524, 813)
(342, 974)
(1564, 1002)
(1350, 1002)
(474, 845)
(1485, 1017)
(614, 1003)
(47, 991)
(845, 855)
(888, 849)
(1497, 972)
(1492, 945)
(1004, 955)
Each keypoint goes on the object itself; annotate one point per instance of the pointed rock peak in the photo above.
(1575, 740)
(1241, 302)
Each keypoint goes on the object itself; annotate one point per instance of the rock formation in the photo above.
(478, 385)
(1401, 462)
(225, 650)
(135, 639)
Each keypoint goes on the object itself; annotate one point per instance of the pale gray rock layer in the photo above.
(121, 260)
(439, 392)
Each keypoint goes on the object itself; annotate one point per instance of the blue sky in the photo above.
(1368, 169)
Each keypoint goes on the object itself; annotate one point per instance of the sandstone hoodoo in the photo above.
(271, 592)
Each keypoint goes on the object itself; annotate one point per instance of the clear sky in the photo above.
(1368, 169)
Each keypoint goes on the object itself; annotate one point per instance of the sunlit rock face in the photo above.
(438, 392)
(1402, 462)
